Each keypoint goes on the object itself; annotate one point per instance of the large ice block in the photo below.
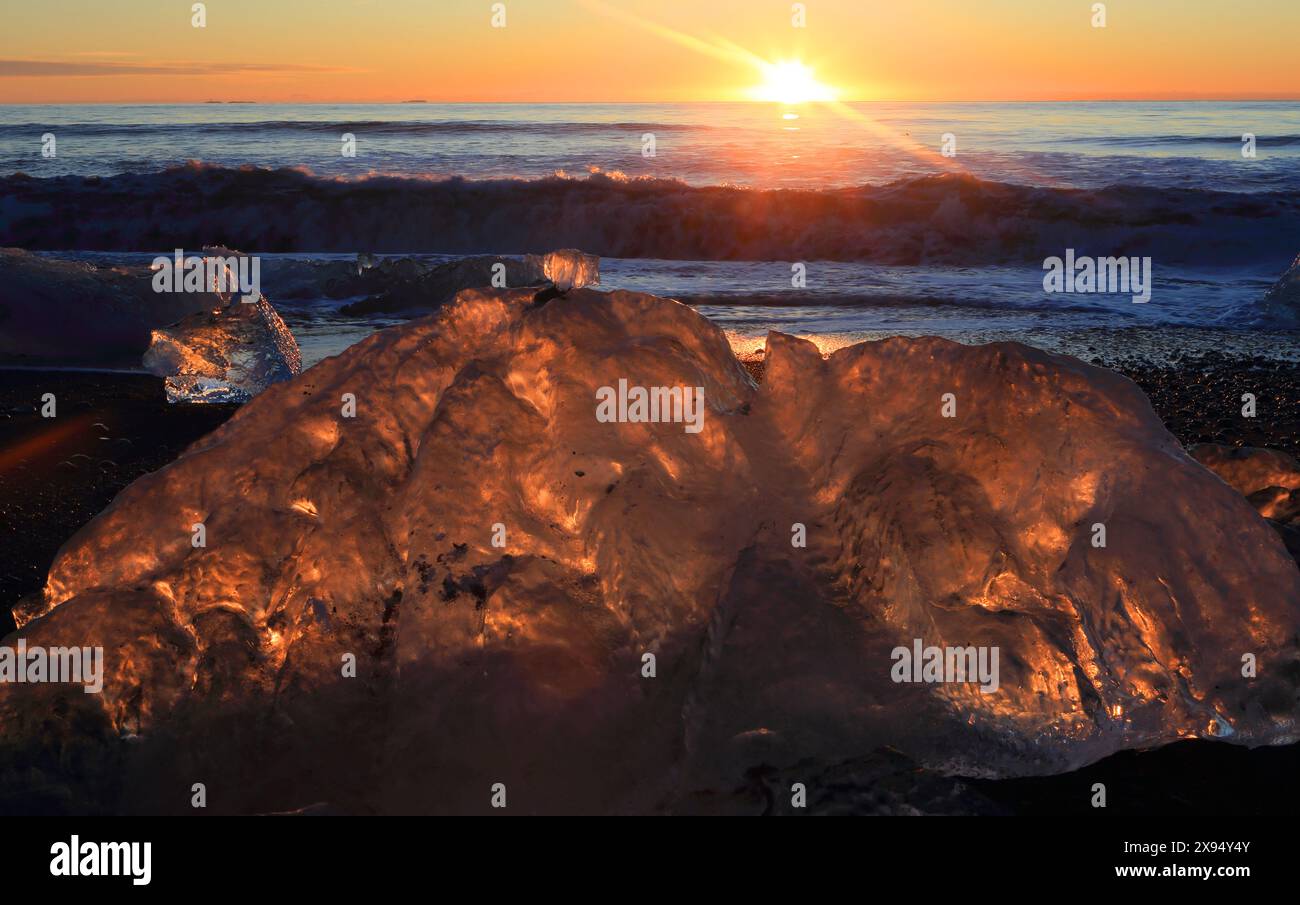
(502, 564)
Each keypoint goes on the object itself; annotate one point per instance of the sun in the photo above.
(791, 83)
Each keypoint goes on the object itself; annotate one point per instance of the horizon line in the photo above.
(646, 103)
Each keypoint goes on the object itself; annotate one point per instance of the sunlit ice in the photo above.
(791, 82)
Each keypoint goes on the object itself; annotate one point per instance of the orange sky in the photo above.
(71, 51)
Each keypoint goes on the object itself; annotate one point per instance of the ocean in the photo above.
(835, 222)
(1185, 145)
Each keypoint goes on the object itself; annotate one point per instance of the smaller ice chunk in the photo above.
(226, 354)
(567, 268)
(403, 284)
(1281, 303)
(1287, 288)
(1269, 479)
(71, 313)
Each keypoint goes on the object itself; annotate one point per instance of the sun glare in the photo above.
(791, 83)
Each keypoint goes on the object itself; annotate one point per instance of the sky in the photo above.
(148, 51)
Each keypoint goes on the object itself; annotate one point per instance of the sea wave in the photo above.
(947, 219)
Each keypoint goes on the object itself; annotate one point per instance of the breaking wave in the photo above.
(947, 219)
